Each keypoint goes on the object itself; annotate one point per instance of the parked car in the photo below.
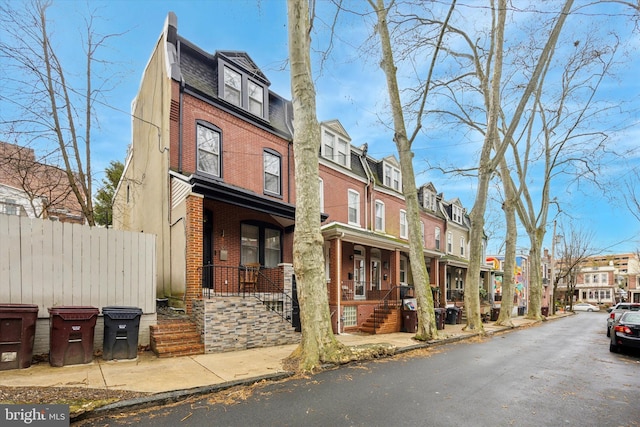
(626, 332)
(617, 311)
(583, 306)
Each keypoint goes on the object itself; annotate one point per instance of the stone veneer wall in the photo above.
(236, 323)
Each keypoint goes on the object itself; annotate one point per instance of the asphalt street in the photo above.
(552, 374)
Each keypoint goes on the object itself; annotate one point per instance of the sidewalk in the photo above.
(172, 378)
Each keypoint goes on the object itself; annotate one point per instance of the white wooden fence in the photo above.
(60, 264)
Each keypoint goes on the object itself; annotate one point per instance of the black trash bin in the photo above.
(452, 315)
(495, 312)
(71, 335)
(441, 315)
(121, 326)
(521, 311)
(410, 321)
(17, 333)
(544, 311)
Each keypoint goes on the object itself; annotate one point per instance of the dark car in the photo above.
(617, 311)
(626, 332)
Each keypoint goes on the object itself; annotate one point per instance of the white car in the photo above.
(583, 306)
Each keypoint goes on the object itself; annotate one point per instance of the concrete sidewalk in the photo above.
(171, 378)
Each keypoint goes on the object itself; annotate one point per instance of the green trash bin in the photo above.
(121, 326)
(17, 334)
(71, 335)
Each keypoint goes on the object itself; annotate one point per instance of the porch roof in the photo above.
(369, 238)
(220, 191)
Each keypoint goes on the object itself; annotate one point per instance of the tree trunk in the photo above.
(506, 306)
(318, 344)
(426, 314)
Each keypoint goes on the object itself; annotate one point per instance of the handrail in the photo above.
(387, 302)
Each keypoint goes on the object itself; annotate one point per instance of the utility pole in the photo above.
(552, 301)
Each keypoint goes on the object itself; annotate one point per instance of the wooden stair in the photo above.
(175, 337)
(389, 321)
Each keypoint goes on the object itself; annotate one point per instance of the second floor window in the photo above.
(208, 141)
(272, 173)
(449, 242)
(403, 225)
(354, 207)
(379, 216)
(462, 246)
(437, 237)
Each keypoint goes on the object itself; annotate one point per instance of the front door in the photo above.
(359, 277)
(207, 249)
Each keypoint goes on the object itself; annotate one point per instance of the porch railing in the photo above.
(361, 291)
(268, 288)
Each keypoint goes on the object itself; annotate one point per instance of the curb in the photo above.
(178, 395)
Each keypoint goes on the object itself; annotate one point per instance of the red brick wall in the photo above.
(194, 250)
(243, 144)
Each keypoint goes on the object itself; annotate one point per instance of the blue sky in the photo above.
(350, 87)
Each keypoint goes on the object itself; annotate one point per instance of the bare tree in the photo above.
(573, 249)
(426, 315)
(318, 344)
(40, 90)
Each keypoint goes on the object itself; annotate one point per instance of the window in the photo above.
(10, 207)
(403, 270)
(271, 247)
(350, 314)
(429, 200)
(456, 214)
(260, 243)
(392, 177)
(256, 98)
(437, 236)
(232, 86)
(272, 171)
(249, 243)
(462, 246)
(335, 149)
(242, 90)
(449, 242)
(208, 141)
(379, 216)
(403, 224)
(354, 207)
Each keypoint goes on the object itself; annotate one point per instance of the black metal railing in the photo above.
(390, 300)
(267, 287)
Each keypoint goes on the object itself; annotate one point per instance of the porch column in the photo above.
(442, 276)
(194, 231)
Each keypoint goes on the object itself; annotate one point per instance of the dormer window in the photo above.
(256, 98)
(456, 214)
(232, 86)
(335, 149)
(392, 177)
(241, 90)
(429, 201)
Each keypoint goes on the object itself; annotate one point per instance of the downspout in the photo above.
(367, 188)
(338, 281)
(180, 113)
(288, 123)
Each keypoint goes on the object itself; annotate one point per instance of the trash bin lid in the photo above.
(74, 313)
(121, 312)
(18, 308)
